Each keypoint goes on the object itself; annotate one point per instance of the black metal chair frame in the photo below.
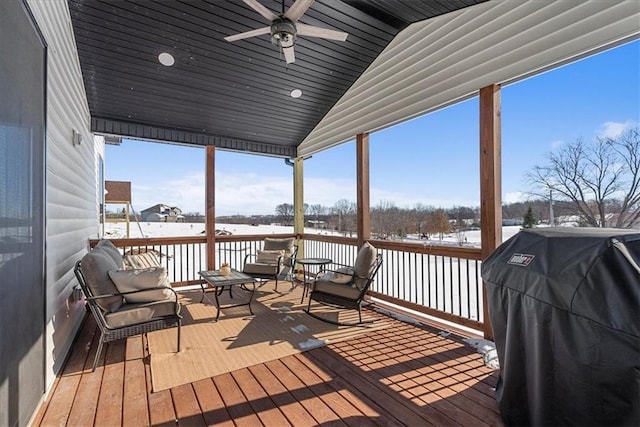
(277, 275)
(109, 334)
(340, 301)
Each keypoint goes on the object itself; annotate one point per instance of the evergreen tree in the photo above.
(529, 219)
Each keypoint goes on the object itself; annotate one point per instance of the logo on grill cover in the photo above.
(522, 260)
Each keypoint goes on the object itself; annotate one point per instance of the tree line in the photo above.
(598, 183)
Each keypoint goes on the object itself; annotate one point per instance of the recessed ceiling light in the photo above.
(296, 93)
(166, 59)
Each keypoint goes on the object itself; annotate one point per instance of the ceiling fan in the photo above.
(285, 27)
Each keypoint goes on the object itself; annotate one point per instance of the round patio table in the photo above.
(306, 263)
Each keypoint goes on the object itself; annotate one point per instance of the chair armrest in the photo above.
(278, 262)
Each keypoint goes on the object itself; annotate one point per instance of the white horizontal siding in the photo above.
(71, 180)
(443, 60)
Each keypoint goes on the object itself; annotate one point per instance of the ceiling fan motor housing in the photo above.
(283, 33)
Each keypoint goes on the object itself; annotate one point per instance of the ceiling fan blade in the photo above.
(262, 10)
(325, 33)
(297, 9)
(247, 34)
(289, 56)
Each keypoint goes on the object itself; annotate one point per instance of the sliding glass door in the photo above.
(22, 154)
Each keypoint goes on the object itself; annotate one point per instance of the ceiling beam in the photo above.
(105, 126)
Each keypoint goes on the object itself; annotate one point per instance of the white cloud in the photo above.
(187, 193)
(327, 191)
(250, 193)
(614, 129)
(242, 193)
(253, 193)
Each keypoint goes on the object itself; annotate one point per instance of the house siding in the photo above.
(71, 181)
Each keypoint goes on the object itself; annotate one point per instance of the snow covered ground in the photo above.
(162, 229)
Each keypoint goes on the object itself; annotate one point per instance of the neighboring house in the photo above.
(162, 213)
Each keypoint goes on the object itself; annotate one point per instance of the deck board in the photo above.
(310, 374)
(135, 409)
(316, 407)
(211, 404)
(259, 400)
(366, 392)
(58, 406)
(109, 408)
(402, 375)
(162, 413)
(188, 410)
(237, 405)
(297, 414)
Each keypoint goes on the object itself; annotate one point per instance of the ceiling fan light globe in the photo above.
(287, 42)
(283, 33)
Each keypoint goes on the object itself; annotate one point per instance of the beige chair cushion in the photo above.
(364, 264)
(260, 269)
(338, 289)
(130, 314)
(271, 244)
(113, 252)
(95, 269)
(146, 278)
(269, 257)
(286, 245)
(142, 260)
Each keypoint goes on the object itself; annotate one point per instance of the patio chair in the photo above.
(346, 286)
(275, 261)
(125, 302)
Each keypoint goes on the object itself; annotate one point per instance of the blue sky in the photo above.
(431, 160)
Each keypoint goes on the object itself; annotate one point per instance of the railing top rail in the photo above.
(330, 239)
(150, 241)
(176, 240)
(444, 250)
(251, 237)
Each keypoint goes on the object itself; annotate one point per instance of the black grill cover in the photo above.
(564, 304)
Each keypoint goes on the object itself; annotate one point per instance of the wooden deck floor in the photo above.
(404, 375)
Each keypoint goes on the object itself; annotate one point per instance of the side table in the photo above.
(306, 263)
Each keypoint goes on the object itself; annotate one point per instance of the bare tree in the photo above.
(285, 212)
(382, 220)
(317, 211)
(440, 222)
(423, 220)
(345, 212)
(595, 178)
(627, 146)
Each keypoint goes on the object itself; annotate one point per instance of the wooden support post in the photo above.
(363, 218)
(490, 182)
(210, 214)
(298, 201)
